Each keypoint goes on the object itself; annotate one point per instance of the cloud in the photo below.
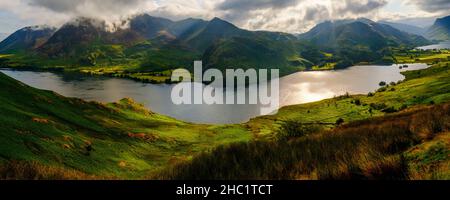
(100, 9)
(295, 15)
(274, 15)
(359, 6)
(239, 5)
(432, 5)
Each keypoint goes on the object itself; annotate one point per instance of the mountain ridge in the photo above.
(440, 29)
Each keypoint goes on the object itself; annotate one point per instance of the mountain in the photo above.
(154, 44)
(361, 40)
(440, 30)
(212, 32)
(188, 27)
(406, 28)
(25, 39)
(74, 36)
(360, 32)
(158, 44)
(149, 26)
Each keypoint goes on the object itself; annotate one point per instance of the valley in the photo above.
(360, 100)
(74, 139)
(151, 47)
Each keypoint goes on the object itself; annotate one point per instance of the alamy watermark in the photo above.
(262, 90)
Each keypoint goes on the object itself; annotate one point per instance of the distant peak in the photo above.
(216, 19)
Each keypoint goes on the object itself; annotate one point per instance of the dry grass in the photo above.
(21, 170)
(370, 149)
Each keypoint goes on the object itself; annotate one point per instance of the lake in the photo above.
(298, 88)
(441, 45)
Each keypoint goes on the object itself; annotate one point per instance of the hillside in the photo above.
(412, 145)
(400, 132)
(47, 136)
(53, 137)
(440, 29)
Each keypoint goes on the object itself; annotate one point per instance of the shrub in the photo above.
(339, 121)
(382, 84)
(378, 106)
(390, 110)
(369, 149)
(293, 129)
(383, 89)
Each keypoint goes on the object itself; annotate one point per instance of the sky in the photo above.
(293, 16)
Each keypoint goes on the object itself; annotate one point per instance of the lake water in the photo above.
(441, 45)
(301, 87)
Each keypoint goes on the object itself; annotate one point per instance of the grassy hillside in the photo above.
(379, 148)
(309, 141)
(80, 139)
(46, 136)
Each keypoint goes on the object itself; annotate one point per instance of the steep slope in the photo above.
(26, 39)
(440, 30)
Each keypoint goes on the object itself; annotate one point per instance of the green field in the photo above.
(421, 56)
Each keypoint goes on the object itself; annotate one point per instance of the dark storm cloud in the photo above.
(433, 5)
